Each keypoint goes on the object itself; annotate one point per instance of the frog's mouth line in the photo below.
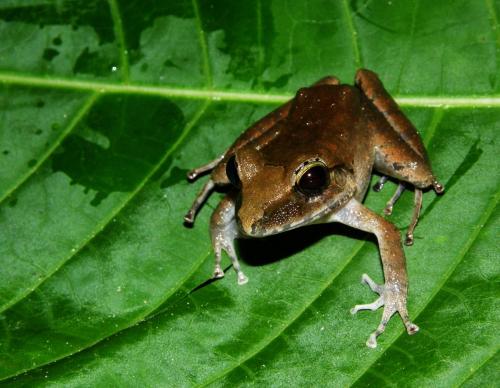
(316, 218)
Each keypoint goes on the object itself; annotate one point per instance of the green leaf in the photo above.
(107, 104)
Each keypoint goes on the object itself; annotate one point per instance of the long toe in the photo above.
(377, 288)
(242, 279)
(218, 273)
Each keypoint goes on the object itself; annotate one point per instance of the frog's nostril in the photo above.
(253, 229)
(244, 226)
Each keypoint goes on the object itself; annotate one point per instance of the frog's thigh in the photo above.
(224, 230)
(373, 88)
(397, 159)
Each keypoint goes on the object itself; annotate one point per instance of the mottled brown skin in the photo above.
(350, 131)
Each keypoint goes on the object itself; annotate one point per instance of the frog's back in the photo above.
(328, 121)
(325, 121)
(332, 113)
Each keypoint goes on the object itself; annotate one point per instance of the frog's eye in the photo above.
(232, 171)
(312, 178)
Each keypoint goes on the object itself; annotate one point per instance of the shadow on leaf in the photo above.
(267, 250)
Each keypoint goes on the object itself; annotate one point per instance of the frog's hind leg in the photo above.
(224, 231)
(414, 219)
(373, 88)
(397, 194)
(400, 152)
(416, 209)
(400, 148)
(400, 162)
(377, 187)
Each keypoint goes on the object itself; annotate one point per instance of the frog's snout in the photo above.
(248, 225)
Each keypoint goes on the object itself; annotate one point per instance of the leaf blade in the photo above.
(274, 329)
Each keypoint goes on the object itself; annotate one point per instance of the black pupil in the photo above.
(232, 171)
(314, 180)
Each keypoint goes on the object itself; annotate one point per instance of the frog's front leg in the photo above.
(393, 294)
(224, 230)
(196, 172)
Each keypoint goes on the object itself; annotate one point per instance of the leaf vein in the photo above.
(409, 45)
(203, 44)
(495, 27)
(354, 34)
(100, 226)
(487, 359)
(71, 125)
(120, 37)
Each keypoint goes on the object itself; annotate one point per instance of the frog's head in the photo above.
(279, 194)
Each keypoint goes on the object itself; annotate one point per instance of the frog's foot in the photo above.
(218, 272)
(380, 183)
(393, 300)
(438, 187)
(416, 215)
(242, 279)
(416, 210)
(390, 204)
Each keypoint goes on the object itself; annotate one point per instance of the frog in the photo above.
(310, 161)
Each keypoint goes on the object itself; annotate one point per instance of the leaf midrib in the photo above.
(451, 101)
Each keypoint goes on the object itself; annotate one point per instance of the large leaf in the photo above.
(106, 105)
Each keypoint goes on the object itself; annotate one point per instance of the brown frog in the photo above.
(310, 162)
